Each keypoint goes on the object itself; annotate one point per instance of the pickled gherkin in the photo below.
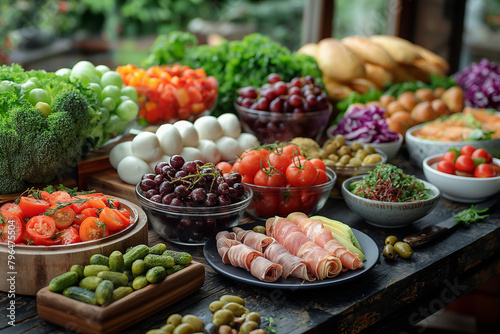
(179, 257)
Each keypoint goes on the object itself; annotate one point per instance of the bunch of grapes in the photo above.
(179, 183)
(297, 96)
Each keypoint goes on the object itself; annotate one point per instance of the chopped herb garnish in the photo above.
(470, 215)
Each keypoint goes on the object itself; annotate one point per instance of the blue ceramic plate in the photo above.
(213, 258)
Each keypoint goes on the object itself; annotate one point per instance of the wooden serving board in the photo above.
(85, 318)
(34, 266)
(110, 183)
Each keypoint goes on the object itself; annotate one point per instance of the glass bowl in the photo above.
(270, 127)
(271, 201)
(192, 226)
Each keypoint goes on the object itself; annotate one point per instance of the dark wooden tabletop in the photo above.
(392, 297)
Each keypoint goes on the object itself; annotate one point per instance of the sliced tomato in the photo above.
(111, 202)
(125, 213)
(64, 217)
(42, 229)
(11, 228)
(113, 219)
(70, 236)
(32, 207)
(92, 229)
(79, 218)
(42, 194)
(91, 212)
(60, 197)
(14, 209)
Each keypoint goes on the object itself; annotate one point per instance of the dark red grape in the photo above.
(166, 188)
(147, 184)
(158, 180)
(295, 101)
(239, 100)
(199, 163)
(177, 202)
(223, 200)
(280, 88)
(177, 161)
(273, 78)
(223, 188)
(269, 94)
(232, 194)
(247, 102)
(276, 105)
(240, 190)
(294, 91)
(196, 236)
(148, 176)
(181, 191)
(296, 82)
(308, 79)
(190, 167)
(311, 100)
(159, 166)
(262, 104)
(156, 198)
(235, 177)
(249, 91)
(167, 199)
(148, 194)
(168, 172)
(198, 195)
(211, 199)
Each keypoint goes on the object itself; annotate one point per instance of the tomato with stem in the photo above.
(279, 161)
(465, 163)
(481, 153)
(290, 202)
(269, 178)
(302, 174)
(321, 177)
(484, 170)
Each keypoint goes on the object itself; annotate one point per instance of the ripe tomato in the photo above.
(225, 167)
(465, 163)
(318, 163)
(79, 218)
(269, 178)
(290, 150)
(42, 230)
(449, 156)
(14, 209)
(279, 161)
(309, 200)
(60, 197)
(11, 228)
(90, 212)
(321, 178)
(301, 175)
(251, 162)
(64, 217)
(92, 229)
(482, 153)
(70, 236)
(113, 219)
(265, 205)
(42, 194)
(290, 202)
(467, 150)
(484, 170)
(32, 207)
(446, 166)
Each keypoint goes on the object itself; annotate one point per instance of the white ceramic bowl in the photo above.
(389, 214)
(460, 188)
(419, 148)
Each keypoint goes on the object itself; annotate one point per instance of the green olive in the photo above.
(253, 316)
(344, 150)
(194, 321)
(403, 249)
(354, 162)
(356, 146)
(389, 252)
(259, 229)
(344, 159)
(174, 319)
(167, 329)
(369, 149)
(391, 240)
(216, 305)
(223, 317)
(184, 329)
(231, 298)
(248, 326)
(237, 309)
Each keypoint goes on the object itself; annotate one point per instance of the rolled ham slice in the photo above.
(265, 270)
(253, 239)
(292, 265)
(322, 236)
(225, 240)
(323, 263)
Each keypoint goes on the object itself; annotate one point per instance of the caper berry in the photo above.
(259, 229)
(389, 252)
(391, 240)
(403, 249)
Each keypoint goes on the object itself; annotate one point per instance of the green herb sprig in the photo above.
(271, 325)
(471, 215)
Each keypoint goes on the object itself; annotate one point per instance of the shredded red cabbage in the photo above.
(366, 125)
(481, 83)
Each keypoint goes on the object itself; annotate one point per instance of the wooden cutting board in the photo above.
(85, 318)
(110, 183)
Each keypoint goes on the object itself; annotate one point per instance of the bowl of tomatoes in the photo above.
(468, 175)
(170, 93)
(281, 111)
(283, 181)
(51, 232)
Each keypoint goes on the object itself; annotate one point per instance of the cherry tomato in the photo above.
(266, 205)
(32, 207)
(42, 230)
(309, 199)
(268, 178)
(279, 161)
(482, 153)
(446, 166)
(484, 170)
(60, 197)
(467, 150)
(321, 178)
(301, 175)
(64, 217)
(251, 163)
(465, 163)
(113, 219)
(92, 229)
(91, 212)
(11, 228)
(318, 163)
(290, 150)
(290, 202)
(496, 168)
(79, 218)
(42, 194)
(70, 236)
(449, 156)
(14, 209)
(225, 167)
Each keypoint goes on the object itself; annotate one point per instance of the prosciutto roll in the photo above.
(265, 270)
(323, 263)
(322, 236)
(253, 239)
(225, 240)
(292, 265)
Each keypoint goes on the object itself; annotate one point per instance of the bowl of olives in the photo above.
(188, 202)
(280, 111)
(349, 159)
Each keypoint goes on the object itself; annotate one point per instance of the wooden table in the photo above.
(392, 297)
